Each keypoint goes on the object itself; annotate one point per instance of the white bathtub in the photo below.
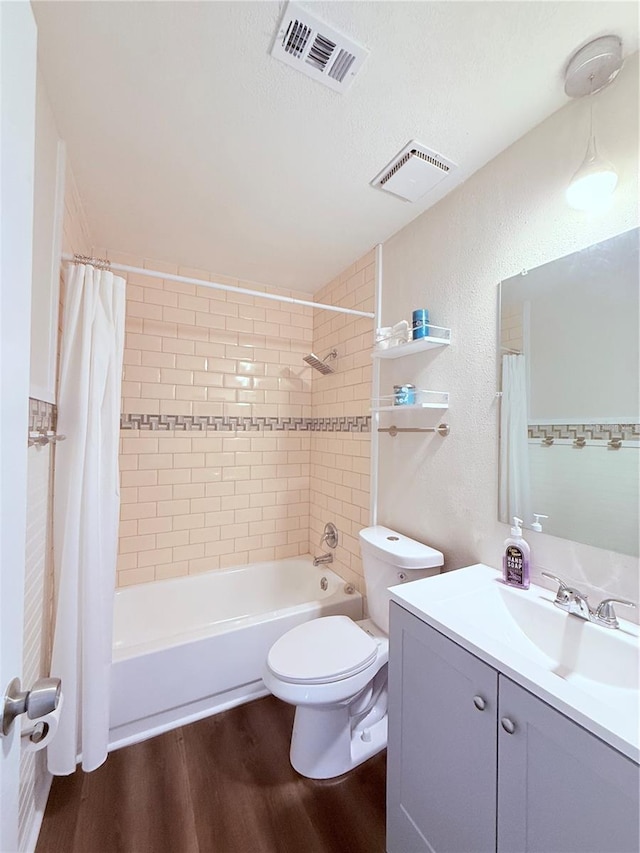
(189, 647)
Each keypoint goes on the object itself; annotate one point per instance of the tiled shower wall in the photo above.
(340, 461)
(215, 450)
(220, 427)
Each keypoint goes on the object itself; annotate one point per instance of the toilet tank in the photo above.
(389, 558)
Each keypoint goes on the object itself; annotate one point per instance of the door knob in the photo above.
(479, 702)
(508, 725)
(42, 699)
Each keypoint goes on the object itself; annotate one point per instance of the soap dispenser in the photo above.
(537, 526)
(517, 557)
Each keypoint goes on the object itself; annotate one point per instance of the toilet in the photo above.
(334, 670)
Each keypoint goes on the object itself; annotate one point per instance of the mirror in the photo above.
(568, 366)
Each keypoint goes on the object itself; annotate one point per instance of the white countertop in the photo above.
(587, 672)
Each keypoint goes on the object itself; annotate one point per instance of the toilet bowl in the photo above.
(334, 670)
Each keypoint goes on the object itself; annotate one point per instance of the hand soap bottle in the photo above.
(517, 556)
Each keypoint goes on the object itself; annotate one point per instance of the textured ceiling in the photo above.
(190, 143)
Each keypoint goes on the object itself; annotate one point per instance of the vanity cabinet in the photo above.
(476, 763)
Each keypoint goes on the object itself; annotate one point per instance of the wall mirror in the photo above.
(568, 367)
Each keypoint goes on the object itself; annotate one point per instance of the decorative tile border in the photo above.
(201, 423)
(42, 416)
(603, 432)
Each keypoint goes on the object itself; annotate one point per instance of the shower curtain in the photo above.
(515, 488)
(85, 512)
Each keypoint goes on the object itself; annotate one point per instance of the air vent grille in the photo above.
(296, 38)
(428, 158)
(414, 172)
(316, 49)
(341, 66)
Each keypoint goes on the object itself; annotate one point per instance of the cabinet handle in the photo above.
(479, 702)
(508, 725)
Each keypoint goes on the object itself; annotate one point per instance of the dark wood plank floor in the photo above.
(222, 785)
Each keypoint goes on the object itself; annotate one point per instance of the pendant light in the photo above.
(591, 69)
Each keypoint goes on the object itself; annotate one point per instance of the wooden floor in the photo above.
(222, 785)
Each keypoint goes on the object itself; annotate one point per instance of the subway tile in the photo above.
(172, 570)
(188, 552)
(172, 539)
(176, 407)
(188, 522)
(155, 461)
(155, 493)
(126, 561)
(133, 576)
(191, 362)
(154, 525)
(160, 327)
(191, 392)
(127, 544)
(158, 359)
(188, 490)
(128, 528)
(178, 345)
(138, 511)
(155, 557)
(181, 507)
(204, 564)
(160, 297)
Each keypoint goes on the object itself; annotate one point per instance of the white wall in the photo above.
(510, 215)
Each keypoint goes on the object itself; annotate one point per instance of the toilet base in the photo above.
(323, 744)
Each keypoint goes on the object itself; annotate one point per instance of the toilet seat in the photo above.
(322, 651)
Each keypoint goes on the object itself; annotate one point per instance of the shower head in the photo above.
(320, 364)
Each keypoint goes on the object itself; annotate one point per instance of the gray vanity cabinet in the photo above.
(560, 787)
(478, 764)
(441, 759)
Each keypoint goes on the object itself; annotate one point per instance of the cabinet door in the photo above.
(441, 792)
(561, 789)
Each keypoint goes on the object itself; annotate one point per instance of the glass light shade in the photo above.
(593, 183)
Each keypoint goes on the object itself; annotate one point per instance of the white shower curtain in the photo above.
(515, 488)
(86, 509)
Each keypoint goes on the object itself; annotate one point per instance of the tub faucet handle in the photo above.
(329, 535)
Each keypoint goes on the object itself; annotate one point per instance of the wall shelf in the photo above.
(428, 400)
(443, 339)
(414, 407)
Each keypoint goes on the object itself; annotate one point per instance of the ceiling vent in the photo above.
(317, 50)
(413, 172)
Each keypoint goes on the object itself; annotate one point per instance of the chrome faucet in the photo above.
(322, 559)
(575, 602)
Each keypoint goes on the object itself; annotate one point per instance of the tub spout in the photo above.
(322, 559)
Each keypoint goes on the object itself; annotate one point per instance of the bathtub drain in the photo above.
(324, 584)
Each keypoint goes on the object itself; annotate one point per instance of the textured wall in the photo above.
(340, 461)
(509, 215)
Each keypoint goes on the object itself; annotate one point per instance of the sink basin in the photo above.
(573, 648)
(588, 672)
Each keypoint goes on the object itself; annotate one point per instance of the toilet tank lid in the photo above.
(399, 550)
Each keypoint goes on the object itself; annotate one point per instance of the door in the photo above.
(441, 759)
(17, 135)
(561, 789)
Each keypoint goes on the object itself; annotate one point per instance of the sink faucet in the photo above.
(575, 602)
(323, 558)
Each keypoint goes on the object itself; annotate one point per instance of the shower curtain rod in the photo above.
(182, 279)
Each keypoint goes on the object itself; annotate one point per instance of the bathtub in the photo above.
(189, 647)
